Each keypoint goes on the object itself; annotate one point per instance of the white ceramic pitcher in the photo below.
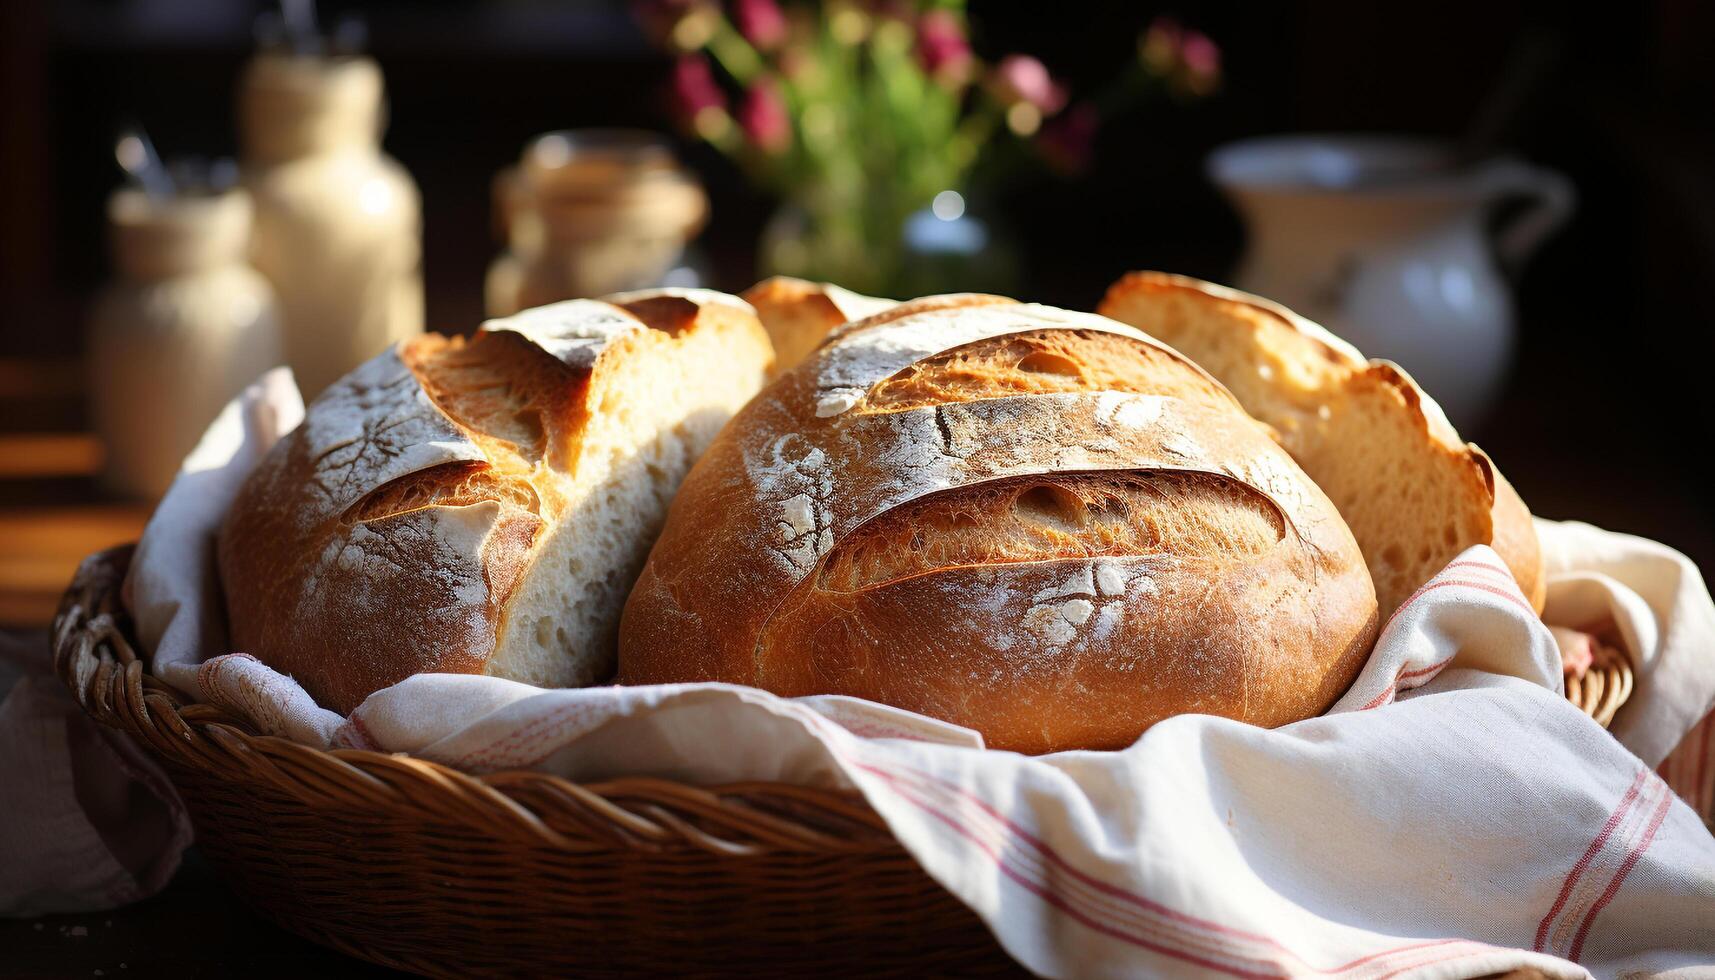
(1385, 243)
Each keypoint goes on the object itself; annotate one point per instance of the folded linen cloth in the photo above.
(1451, 816)
(87, 819)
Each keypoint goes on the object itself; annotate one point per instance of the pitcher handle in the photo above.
(1551, 199)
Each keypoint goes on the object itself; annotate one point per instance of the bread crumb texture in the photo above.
(1041, 524)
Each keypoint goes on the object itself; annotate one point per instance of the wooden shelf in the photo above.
(52, 512)
(52, 454)
(41, 546)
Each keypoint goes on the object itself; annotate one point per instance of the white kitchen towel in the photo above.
(1658, 605)
(1452, 815)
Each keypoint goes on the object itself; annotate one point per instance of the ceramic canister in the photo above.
(338, 222)
(185, 325)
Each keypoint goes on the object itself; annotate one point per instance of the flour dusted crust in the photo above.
(901, 337)
(1415, 494)
(575, 332)
(1058, 565)
(455, 507)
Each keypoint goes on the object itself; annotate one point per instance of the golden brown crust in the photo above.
(519, 405)
(447, 485)
(1112, 514)
(798, 314)
(1043, 361)
(1300, 353)
(388, 534)
(1057, 567)
(1335, 412)
(1515, 537)
(923, 304)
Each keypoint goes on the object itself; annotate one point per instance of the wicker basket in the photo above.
(1600, 691)
(416, 866)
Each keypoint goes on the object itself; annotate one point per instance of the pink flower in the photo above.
(942, 46)
(1187, 59)
(761, 22)
(694, 86)
(1068, 141)
(1201, 61)
(763, 117)
(1021, 78)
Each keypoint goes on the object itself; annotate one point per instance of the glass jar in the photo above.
(186, 324)
(591, 212)
(338, 222)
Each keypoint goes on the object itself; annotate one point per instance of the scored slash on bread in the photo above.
(1413, 492)
(798, 314)
(483, 506)
(1035, 523)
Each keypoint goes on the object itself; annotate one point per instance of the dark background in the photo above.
(1610, 401)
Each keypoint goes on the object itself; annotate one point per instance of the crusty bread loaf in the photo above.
(1039, 524)
(1413, 492)
(483, 507)
(797, 314)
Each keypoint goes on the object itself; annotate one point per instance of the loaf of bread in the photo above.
(1039, 524)
(483, 507)
(797, 314)
(1413, 492)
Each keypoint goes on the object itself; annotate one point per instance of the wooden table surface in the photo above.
(40, 547)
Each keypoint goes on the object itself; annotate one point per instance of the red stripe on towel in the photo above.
(1636, 852)
(1088, 911)
(1057, 901)
(1583, 862)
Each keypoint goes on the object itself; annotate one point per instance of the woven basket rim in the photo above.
(1602, 689)
(95, 655)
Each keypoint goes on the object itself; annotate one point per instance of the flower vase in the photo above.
(941, 248)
